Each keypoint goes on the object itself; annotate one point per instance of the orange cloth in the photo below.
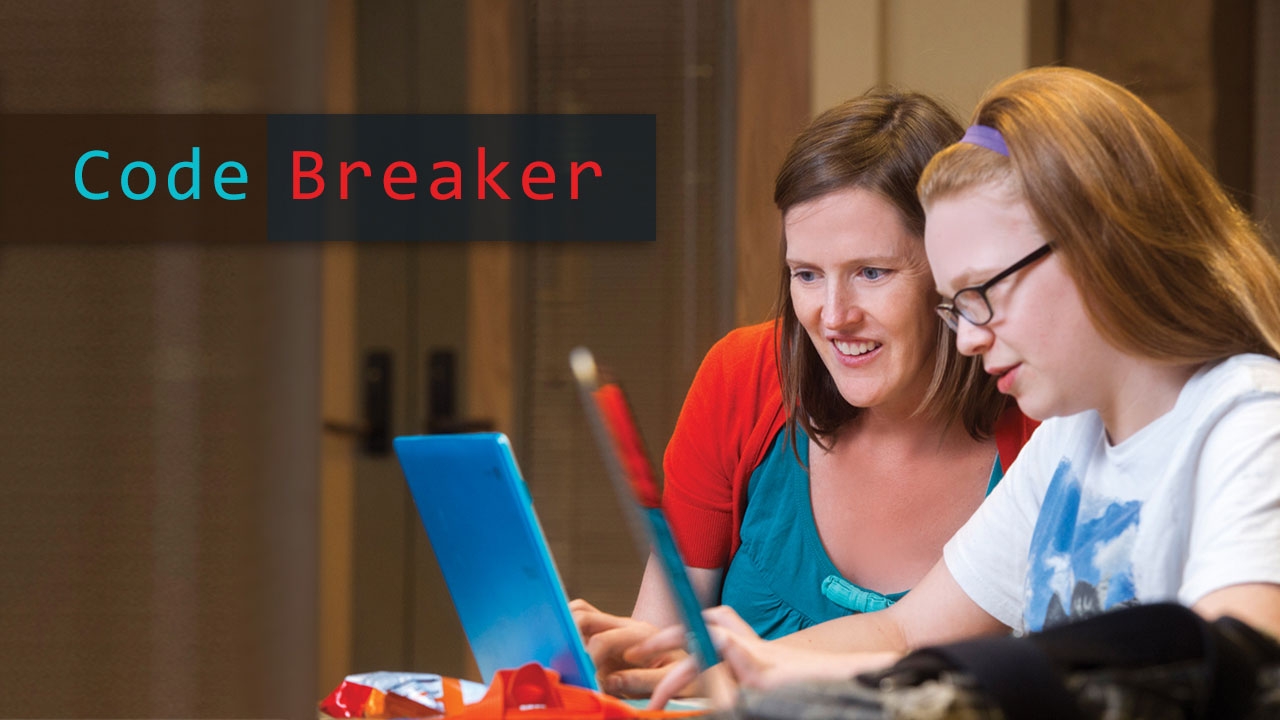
(535, 693)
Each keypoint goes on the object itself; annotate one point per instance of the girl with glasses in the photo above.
(821, 460)
(1114, 290)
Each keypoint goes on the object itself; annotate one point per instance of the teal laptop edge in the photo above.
(480, 520)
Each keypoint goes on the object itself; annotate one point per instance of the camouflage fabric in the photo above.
(1154, 694)
(949, 697)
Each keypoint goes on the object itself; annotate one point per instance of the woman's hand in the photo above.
(610, 640)
(750, 661)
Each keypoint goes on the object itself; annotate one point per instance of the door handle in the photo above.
(376, 394)
(373, 429)
(442, 397)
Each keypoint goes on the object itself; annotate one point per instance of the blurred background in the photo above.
(201, 515)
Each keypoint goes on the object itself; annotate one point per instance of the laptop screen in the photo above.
(480, 520)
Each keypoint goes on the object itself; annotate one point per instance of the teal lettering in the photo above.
(84, 192)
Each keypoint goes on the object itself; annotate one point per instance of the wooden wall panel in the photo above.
(338, 375)
(494, 36)
(158, 418)
(772, 106)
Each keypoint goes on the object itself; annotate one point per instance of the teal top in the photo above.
(781, 579)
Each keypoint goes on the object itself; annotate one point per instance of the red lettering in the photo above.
(487, 179)
(456, 180)
(313, 174)
(527, 179)
(388, 179)
(344, 171)
(575, 169)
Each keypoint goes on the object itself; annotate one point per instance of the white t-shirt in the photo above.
(1188, 505)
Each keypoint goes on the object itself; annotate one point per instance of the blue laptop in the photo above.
(479, 517)
(480, 520)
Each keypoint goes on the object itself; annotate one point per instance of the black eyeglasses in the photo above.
(971, 303)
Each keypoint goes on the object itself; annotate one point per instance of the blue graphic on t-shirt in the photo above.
(1081, 558)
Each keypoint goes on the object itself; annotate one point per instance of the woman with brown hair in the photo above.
(821, 459)
(1112, 288)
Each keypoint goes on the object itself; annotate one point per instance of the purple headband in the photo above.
(987, 137)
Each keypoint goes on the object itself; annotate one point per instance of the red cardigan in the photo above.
(730, 416)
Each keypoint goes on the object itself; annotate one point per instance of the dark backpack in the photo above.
(1150, 661)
